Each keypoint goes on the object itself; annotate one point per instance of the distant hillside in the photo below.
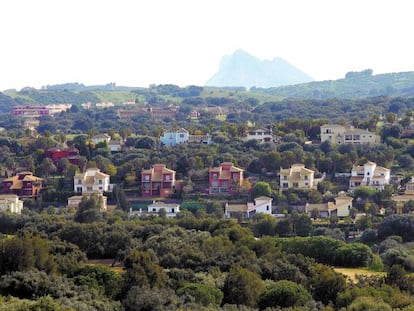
(245, 70)
(355, 85)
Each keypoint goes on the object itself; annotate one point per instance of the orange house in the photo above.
(24, 184)
(158, 181)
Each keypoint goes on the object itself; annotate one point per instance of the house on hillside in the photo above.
(11, 203)
(91, 180)
(173, 137)
(157, 181)
(101, 138)
(341, 207)
(406, 196)
(225, 179)
(297, 176)
(24, 184)
(369, 175)
(261, 204)
(74, 201)
(57, 154)
(263, 136)
(342, 134)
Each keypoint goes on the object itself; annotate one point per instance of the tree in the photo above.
(89, 209)
(325, 283)
(141, 271)
(47, 167)
(202, 294)
(242, 287)
(261, 188)
(284, 294)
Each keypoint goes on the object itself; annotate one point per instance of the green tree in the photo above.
(142, 271)
(89, 209)
(261, 188)
(242, 287)
(203, 294)
(284, 294)
(325, 283)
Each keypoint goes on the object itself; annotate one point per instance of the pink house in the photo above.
(158, 181)
(225, 179)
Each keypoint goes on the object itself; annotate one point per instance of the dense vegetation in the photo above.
(354, 85)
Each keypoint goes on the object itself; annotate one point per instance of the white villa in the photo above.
(172, 137)
(11, 203)
(260, 205)
(171, 210)
(91, 180)
(260, 135)
(369, 175)
(346, 134)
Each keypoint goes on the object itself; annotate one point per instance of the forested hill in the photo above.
(354, 85)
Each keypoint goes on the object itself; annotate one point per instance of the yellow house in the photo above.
(297, 176)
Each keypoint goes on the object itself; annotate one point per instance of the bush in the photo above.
(284, 294)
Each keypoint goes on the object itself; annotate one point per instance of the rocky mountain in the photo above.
(243, 69)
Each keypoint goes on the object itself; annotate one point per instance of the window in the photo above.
(215, 176)
(146, 178)
(100, 188)
(306, 177)
(88, 188)
(79, 181)
(224, 183)
(295, 185)
(154, 210)
(167, 177)
(181, 135)
(173, 210)
(285, 185)
(79, 189)
(100, 181)
(267, 207)
(284, 177)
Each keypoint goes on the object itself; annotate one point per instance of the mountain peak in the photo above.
(244, 69)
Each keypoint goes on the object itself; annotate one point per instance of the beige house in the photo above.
(11, 203)
(91, 180)
(341, 207)
(407, 196)
(297, 176)
(74, 201)
(346, 134)
(101, 138)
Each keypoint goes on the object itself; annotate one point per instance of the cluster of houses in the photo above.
(160, 181)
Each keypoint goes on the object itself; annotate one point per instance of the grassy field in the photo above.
(352, 272)
(118, 268)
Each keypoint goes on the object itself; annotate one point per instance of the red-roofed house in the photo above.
(24, 184)
(57, 154)
(226, 179)
(157, 181)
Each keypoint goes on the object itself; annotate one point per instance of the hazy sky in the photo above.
(140, 42)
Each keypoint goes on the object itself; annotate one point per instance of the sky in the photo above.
(143, 42)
